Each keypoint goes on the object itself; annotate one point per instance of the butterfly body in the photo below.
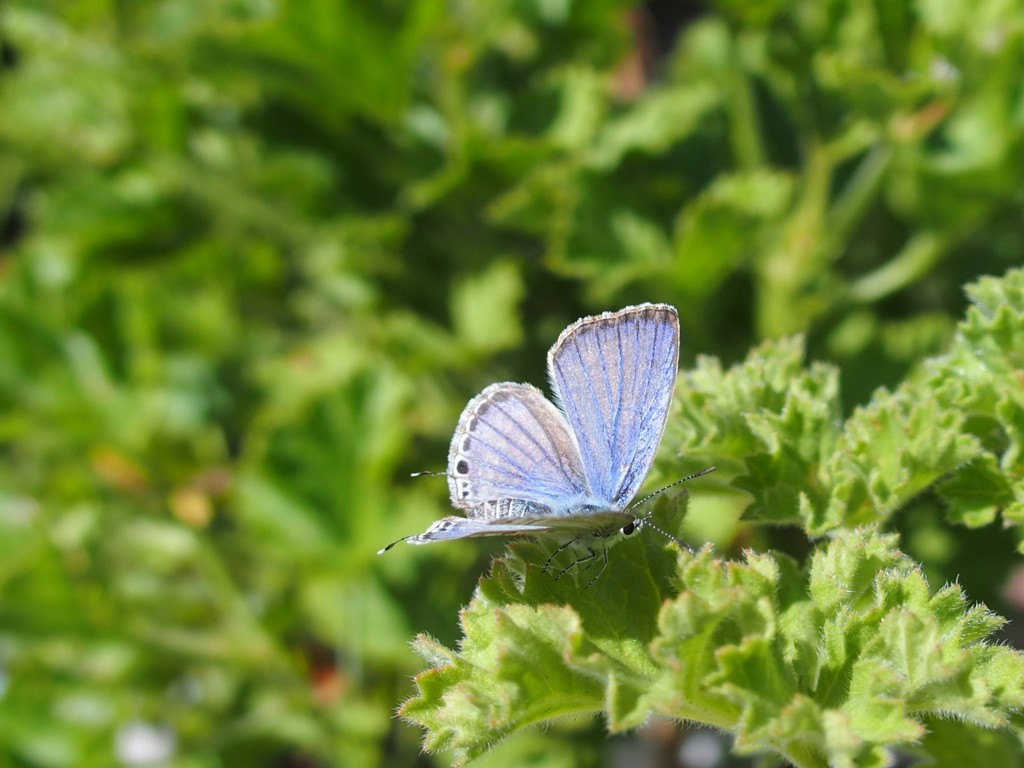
(521, 464)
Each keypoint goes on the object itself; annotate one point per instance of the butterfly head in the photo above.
(639, 522)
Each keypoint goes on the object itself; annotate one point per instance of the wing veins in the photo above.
(517, 492)
(633, 395)
(551, 458)
(612, 427)
(618, 406)
(642, 396)
(590, 441)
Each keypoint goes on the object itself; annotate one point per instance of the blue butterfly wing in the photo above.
(613, 375)
(513, 454)
(513, 468)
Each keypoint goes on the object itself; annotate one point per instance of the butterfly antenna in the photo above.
(646, 519)
(650, 496)
(424, 473)
(646, 522)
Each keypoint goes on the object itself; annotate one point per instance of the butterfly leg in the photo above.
(555, 554)
(597, 575)
(591, 555)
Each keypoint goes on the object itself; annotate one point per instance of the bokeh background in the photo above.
(255, 256)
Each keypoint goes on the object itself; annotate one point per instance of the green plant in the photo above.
(834, 662)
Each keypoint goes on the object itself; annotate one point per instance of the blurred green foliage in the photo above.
(256, 255)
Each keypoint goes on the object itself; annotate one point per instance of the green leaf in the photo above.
(777, 418)
(892, 449)
(837, 664)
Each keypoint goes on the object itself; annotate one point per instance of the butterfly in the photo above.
(522, 464)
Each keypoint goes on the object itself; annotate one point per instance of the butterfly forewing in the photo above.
(512, 446)
(613, 375)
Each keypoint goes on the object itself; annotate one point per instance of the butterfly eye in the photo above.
(628, 528)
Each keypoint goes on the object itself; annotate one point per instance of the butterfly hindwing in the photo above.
(513, 443)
